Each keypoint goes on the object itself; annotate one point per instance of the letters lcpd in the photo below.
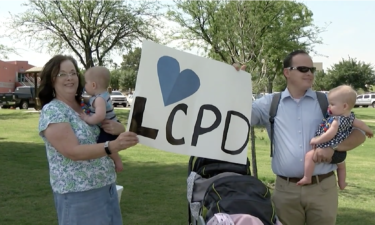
(137, 118)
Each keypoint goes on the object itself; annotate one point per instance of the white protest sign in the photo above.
(191, 105)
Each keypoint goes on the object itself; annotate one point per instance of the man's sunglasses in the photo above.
(303, 69)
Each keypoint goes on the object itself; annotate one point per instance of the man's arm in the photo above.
(355, 139)
(260, 110)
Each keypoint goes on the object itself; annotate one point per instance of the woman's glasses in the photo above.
(65, 75)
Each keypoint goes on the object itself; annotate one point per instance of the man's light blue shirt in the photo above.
(295, 125)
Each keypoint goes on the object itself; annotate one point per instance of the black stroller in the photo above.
(215, 186)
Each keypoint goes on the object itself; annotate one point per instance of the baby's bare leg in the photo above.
(309, 168)
(341, 175)
(118, 162)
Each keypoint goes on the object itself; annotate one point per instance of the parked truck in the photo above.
(23, 97)
(365, 100)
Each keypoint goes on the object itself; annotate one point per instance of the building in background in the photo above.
(319, 66)
(12, 75)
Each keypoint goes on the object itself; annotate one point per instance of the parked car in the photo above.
(325, 92)
(23, 97)
(85, 95)
(118, 99)
(365, 100)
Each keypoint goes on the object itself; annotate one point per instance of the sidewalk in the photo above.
(369, 121)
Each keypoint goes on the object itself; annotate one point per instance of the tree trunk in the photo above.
(100, 63)
(270, 85)
(88, 58)
(253, 153)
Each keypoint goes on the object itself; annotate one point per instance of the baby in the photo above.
(333, 130)
(97, 82)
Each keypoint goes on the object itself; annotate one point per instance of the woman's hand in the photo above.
(112, 127)
(124, 140)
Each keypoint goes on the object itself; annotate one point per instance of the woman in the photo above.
(82, 175)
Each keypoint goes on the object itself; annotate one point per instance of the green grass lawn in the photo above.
(154, 181)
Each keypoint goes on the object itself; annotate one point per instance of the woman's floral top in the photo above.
(67, 175)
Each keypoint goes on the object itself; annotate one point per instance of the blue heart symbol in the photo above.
(175, 85)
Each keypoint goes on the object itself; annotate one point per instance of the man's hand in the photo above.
(323, 155)
(239, 67)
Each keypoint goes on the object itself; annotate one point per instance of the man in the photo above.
(297, 119)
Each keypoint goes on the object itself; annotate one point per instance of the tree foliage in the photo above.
(132, 59)
(116, 75)
(358, 74)
(5, 50)
(128, 80)
(279, 83)
(321, 81)
(256, 33)
(129, 66)
(90, 29)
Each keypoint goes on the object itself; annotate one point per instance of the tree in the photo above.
(279, 84)
(116, 75)
(90, 29)
(321, 81)
(4, 51)
(132, 59)
(352, 72)
(129, 66)
(256, 33)
(128, 79)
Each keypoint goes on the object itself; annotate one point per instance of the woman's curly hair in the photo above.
(49, 73)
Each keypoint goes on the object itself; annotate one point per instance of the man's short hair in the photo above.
(289, 58)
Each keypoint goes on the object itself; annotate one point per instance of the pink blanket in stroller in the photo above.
(236, 219)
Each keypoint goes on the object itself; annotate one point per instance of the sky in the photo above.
(350, 32)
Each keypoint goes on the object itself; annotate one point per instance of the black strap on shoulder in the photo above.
(323, 102)
(273, 111)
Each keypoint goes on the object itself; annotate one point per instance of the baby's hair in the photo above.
(101, 75)
(346, 93)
